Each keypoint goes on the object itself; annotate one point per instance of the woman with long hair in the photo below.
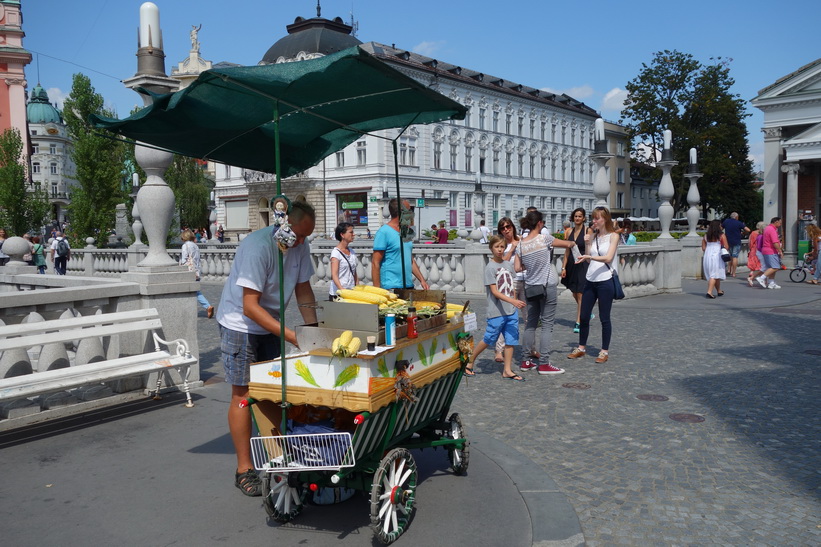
(712, 265)
(814, 233)
(343, 260)
(573, 275)
(753, 260)
(191, 257)
(507, 230)
(534, 256)
(602, 262)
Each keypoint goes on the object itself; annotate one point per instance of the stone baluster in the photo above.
(693, 197)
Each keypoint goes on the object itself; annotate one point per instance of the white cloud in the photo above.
(578, 92)
(614, 100)
(428, 49)
(56, 95)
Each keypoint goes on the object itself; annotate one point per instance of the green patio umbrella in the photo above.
(285, 118)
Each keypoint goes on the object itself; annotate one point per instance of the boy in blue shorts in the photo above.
(502, 317)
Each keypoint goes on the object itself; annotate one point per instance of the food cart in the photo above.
(382, 403)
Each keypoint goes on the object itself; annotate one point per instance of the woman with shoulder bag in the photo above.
(191, 257)
(343, 260)
(535, 256)
(712, 264)
(38, 254)
(600, 287)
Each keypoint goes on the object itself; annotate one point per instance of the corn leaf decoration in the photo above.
(350, 373)
(304, 373)
(432, 350)
(383, 368)
(399, 357)
(422, 356)
(452, 342)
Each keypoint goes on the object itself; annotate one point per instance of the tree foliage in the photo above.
(695, 101)
(21, 211)
(99, 161)
(191, 190)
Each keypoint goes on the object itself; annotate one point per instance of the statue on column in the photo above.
(195, 44)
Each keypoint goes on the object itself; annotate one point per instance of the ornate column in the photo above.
(772, 174)
(666, 189)
(600, 155)
(791, 212)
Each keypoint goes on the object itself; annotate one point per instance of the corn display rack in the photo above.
(383, 403)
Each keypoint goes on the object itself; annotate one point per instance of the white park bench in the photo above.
(52, 374)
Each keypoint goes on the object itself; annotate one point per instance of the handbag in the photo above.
(618, 291)
(534, 291)
(725, 255)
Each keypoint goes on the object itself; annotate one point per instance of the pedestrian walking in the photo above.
(771, 253)
(603, 262)
(190, 257)
(507, 230)
(733, 231)
(754, 256)
(712, 264)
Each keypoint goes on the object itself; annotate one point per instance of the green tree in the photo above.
(20, 210)
(99, 161)
(191, 190)
(696, 103)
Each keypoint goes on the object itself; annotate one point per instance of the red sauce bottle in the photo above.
(412, 318)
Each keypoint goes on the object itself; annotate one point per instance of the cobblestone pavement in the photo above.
(748, 363)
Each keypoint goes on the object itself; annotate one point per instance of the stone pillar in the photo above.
(666, 193)
(601, 184)
(772, 174)
(791, 213)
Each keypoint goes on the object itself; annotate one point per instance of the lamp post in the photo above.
(693, 197)
(666, 190)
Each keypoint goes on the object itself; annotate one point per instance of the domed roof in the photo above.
(40, 110)
(310, 37)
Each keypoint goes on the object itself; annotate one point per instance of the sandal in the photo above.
(469, 372)
(710, 295)
(249, 483)
(515, 378)
(720, 293)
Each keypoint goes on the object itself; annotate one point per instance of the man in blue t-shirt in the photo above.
(386, 263)
(733, 229)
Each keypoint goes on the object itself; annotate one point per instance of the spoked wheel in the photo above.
(798, 275)
(459, 458)
(392, 495)
(282, 497)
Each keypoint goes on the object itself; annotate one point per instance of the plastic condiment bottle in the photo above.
(390, 329)
(412, 318)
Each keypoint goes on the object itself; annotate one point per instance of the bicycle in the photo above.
(799, 273)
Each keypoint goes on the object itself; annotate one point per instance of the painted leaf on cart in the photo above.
(420, 349)
(350, 373)
(305, 373)
(433, 345)
(382, 367)
(452, 342)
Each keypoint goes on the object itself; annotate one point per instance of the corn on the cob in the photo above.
(345, 338)
(457, 307)
(349, 301)
(363, 296)
(427, 304)
(375, 290)
(353, 346)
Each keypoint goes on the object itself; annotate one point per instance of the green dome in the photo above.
(40, 110)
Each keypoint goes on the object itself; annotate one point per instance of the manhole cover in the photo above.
(687, 418)
(650, 397)
(576, 385)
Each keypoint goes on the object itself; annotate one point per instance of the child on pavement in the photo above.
(502, 317)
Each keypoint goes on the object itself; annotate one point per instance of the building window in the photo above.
(53, 168)
(352, 208)
(482, 155)
(453, 200)
(521, 126)
(340, 159)
(403, 153)
(553, 132)
(468, 159)
(620, 200)
(454, 156)
(620, 148)
(407, 151)
(507, 123)
(54, 189)
(564, 135)
(35, 168)
(437, 155)
(482, 118)
(544, 130)
(361, 153)
(508, 160)
(544, 168)
(521, 165)
(35, 148)
(495, 162)
(620, 175)
(532, 165)
(496, 120)
(532, 128)
(52, 149)
(573, 171)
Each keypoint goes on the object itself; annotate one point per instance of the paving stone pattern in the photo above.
(749, 474)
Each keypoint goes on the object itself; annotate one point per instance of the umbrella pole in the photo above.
(281, 267)
(399, 203)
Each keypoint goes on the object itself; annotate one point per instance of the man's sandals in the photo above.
(249, 483)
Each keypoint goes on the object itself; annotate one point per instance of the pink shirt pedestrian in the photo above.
(767, 244)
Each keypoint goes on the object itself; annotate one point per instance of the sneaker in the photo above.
(762, 280)
(550, 369)
(527, 364)
(576, 328)
(592, 316)
(576, 353)
(602, 358)
(773, 286)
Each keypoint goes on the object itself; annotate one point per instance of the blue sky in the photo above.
(589, 50)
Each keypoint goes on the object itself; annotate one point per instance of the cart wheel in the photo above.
(459, 458)
(282, 501)
(392, 495)
(798, 275)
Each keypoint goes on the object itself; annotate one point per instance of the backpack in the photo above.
(62, 248)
